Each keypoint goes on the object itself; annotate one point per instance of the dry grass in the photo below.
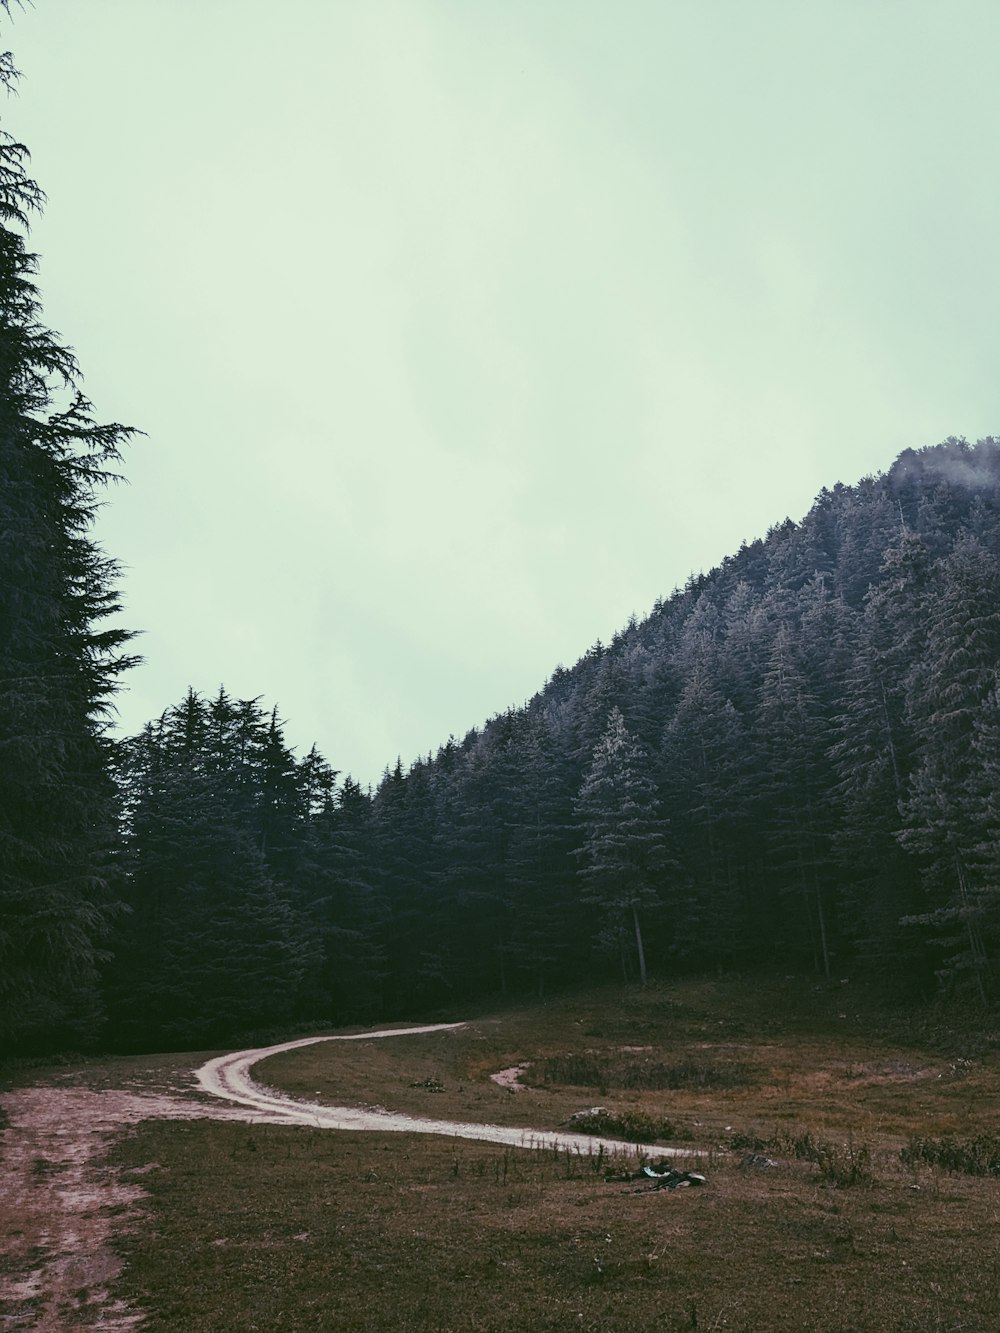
(299, 1229)
(636, 1068)
(274, 1227)
(770, 1055)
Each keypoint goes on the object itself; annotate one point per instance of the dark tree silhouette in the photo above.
(58, 666)
(623, 853)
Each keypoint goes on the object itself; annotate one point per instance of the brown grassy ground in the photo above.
(823, 1058)
(274, 1227)
(285, 1228)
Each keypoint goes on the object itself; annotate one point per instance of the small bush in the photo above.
(844, 1167)
(979, 1156)
(632, 1126)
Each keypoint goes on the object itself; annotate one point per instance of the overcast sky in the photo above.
(461, 329)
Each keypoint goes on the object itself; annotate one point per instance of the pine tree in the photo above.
(791, 744)
(704, 785)
(214, 944)
(419, 959)
(948, 689)
(868, 753)
(473, 800)
(335, 884)
(58, 670)
(872, 750)
(982, 802)
(548, 932)
(623, 855)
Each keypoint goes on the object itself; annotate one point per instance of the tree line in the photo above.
(790, 762)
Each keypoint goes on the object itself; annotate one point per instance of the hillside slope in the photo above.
(791, 763)
(816, 718)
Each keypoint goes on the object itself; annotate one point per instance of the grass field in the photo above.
(272, 1227)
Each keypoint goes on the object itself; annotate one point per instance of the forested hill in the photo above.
(792, 762)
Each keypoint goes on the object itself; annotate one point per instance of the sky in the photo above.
(461, 330)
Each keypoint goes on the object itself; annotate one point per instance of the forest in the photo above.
(791, 763)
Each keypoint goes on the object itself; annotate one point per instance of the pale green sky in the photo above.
(461, 330)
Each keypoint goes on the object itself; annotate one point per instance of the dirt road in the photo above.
(228, 1076)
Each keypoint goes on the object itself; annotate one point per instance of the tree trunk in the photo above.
(822, 931)
(977, 949)
(639, 949)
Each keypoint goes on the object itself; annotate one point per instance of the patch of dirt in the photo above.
(510, 1078)
(61, 1201)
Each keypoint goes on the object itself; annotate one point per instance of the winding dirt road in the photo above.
(228, 1076)
(61, 1198)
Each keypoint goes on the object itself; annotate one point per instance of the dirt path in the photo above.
(228, 1076)
(60, 1200)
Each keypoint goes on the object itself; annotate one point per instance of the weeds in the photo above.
(591, 1070)
(979, 1156)
(539, 1167)
(844, 1166)
(840, 1165)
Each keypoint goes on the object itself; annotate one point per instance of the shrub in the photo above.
(979, 1156)
(632, 1126)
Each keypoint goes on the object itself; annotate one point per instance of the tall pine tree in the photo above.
(57, 666)
(215, 943)
(947, 691)
(623, 854)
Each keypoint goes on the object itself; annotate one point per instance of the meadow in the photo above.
(848, 1148)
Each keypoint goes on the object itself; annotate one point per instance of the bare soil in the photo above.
(510, 1078)
(61, 1201)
